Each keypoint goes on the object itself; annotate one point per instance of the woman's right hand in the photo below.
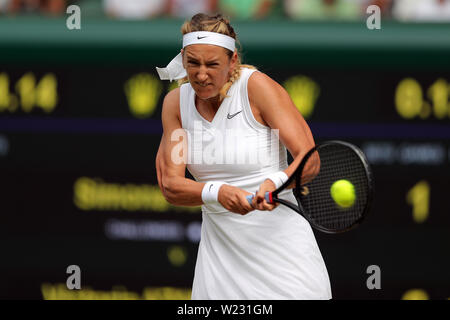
(234, 199)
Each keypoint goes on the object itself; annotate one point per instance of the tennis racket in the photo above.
(333, 187)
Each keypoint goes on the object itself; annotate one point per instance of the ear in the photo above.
(233, 61)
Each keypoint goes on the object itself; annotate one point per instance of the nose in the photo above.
(202, 74)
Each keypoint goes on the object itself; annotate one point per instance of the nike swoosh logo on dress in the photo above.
(229, 116)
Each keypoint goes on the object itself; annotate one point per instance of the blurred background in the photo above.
(80, 127)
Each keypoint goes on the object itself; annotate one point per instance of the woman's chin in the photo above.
(205, 94)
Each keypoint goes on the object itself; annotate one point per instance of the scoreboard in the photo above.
(79, 136)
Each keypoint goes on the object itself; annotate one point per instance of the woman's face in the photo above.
(208, 68)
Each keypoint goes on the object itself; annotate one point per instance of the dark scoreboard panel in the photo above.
(349, 96)
(78, 182)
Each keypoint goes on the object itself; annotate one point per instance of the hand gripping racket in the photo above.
(333, 187)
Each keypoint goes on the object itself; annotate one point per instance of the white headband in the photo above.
(175, 69)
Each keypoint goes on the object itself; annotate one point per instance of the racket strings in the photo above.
(337, 162)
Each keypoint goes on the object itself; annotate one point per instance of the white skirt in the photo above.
(264, 255)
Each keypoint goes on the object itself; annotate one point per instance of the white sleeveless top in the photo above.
(260, 255)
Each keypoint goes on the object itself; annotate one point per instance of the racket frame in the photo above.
(298, 186)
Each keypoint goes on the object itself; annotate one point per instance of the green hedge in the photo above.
(29, 40)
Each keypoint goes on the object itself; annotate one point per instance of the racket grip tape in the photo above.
(268, 197)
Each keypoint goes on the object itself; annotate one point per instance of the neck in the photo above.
(213, 103)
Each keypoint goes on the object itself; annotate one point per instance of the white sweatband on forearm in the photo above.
(210, 192)
(278, 178)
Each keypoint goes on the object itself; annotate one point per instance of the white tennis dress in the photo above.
(263, 254)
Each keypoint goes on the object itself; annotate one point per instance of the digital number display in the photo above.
(29, 93)
(412, 101)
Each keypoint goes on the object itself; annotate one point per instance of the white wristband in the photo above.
(210, 192)
(278, 178)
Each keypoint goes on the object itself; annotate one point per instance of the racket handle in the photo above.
(268, 197)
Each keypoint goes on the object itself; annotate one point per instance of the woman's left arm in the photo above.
(272, 106)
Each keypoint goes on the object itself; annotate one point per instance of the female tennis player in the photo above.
(246, 251)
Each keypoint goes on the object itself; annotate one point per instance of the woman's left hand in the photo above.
(259, 202)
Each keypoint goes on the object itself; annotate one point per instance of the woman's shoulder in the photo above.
(264, 93)
(173, 96)
(259, 83)
(171, 103)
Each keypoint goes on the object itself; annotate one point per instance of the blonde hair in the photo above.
(219, 24)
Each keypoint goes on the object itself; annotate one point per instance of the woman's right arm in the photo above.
(171, 166)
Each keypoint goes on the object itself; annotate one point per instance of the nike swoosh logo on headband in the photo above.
(199, 38)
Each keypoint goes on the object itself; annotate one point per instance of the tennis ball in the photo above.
(343, 193)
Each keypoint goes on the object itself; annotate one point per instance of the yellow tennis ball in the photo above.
(343, 193)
